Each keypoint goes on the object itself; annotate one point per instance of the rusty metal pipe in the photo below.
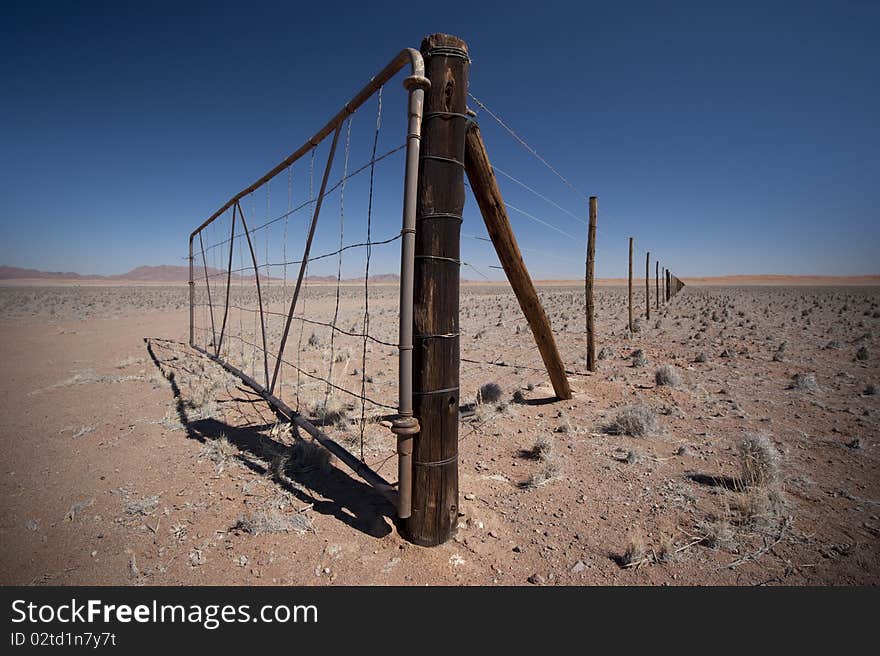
(405, 426)
(192, 294)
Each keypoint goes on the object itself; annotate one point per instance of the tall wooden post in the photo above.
(488, 196)
(668, 282)
(657, 281)
(588, 285)
(648, 285)
(631, 285)
(435, 293)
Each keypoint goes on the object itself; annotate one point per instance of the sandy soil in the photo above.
(140, 462)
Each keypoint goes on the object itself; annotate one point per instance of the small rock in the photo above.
(470, 497)
(536, 579)
(579, 567)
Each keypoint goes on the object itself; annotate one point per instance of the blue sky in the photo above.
(726, 138)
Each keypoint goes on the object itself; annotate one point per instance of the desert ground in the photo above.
(730, 439)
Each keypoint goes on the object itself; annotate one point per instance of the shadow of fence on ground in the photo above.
(330, 491)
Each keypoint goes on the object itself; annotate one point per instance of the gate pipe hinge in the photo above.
(403, 426)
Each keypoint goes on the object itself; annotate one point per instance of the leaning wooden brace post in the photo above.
(440, 201)
(648, 285)
(631, 286)
(588, 290)
(488, 196)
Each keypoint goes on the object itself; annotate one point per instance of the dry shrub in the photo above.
(263, 522)
(605, 353)
(306, 456)
(544, 448)
(805, 382)
(668, 375)
(489, 393)
(636, 420)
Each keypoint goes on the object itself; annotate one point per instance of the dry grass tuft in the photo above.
(638, 358)
(718, 533)
(219, 450)
(666, 551)
(330, 412)
(635, 552)
(141, 506)
(759, 461)
(551, 467)
(550, 471)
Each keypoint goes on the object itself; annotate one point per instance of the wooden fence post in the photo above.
(588, 286)
(648, 285)
(485, 189)
(631, 285)
(436, 293)
(668, 285)
(657, 281)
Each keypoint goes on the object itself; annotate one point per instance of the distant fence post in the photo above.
(668, 285)
(588, 285)
(648, 285)
(631, 285)
(436, 293)
(657, 281)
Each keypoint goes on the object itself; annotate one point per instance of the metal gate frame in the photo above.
(405, 426)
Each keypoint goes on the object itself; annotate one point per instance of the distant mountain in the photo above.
(165, 273)
(13, 273)
(162, 273)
